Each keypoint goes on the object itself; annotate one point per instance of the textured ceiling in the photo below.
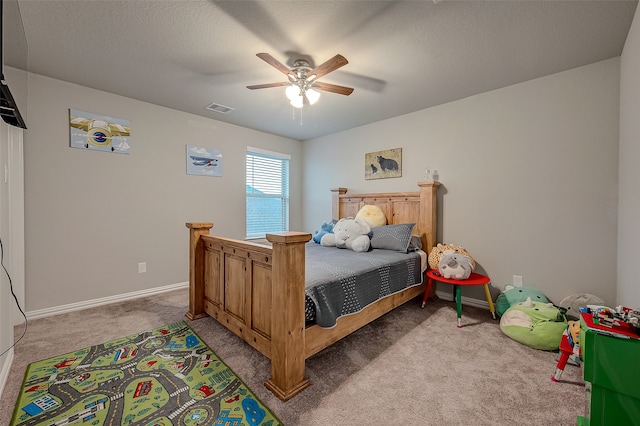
(403, 55)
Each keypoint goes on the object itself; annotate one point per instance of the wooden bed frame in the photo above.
(258, 292)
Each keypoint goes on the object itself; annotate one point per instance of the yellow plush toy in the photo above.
(373, 214)
(441, 249)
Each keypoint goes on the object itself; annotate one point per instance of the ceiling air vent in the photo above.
(219, 108)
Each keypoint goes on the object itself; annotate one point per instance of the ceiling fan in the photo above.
(303, 80)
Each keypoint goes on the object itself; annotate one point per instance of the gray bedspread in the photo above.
(341, 282)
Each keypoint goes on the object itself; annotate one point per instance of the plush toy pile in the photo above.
(452, 261)
(352, 233)
(529, 318)
(441, 249)
(534, 324)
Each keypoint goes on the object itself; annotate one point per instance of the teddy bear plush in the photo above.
(373, 214)
(352, 234)
(455, 266)
(440, 249)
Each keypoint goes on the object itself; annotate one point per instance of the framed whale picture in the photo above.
(383, 164)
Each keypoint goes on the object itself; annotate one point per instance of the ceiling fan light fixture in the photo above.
(312, 95)
(297, 102)
(302, 78)
(293, 92)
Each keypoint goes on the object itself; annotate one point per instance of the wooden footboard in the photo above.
(258, 292)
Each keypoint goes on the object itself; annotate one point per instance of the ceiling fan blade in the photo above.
(266, 86)
(274, 63)
(328, 66)
(334, 88)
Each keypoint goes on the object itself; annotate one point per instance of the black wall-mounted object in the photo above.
(8, 106)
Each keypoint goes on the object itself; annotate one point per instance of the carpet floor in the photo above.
(412, 366)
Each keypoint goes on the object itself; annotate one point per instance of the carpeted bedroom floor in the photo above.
(410, 367)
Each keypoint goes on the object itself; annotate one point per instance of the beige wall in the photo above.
(629, 205)
(91, 216)
(529, 176)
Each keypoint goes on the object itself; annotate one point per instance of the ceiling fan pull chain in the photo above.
(301, 116)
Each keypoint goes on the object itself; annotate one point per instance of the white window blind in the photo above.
(267, 192)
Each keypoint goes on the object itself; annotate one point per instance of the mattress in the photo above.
(341, 282)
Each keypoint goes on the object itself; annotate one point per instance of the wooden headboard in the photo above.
(418, 207)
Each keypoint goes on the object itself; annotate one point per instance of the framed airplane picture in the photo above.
(99, 132)
(204, 161)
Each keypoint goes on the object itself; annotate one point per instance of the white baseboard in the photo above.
(482, 304)
(41, 313)
(4, 373)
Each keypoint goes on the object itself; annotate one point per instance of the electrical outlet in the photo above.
(517, 280)
(142, 267)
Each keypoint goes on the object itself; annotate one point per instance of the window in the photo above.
(267, 192)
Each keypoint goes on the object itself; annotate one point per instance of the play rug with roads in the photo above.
(166, 376)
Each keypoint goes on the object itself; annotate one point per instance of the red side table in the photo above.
(474, 279)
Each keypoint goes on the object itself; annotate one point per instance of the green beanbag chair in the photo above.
(534, 324)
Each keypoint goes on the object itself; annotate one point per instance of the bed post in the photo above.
(287, 315)
(196, 268)
(428, 213)
(429, 220)
(335, 201)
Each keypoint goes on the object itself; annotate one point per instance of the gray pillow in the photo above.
(415, 243)
(392, 237)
